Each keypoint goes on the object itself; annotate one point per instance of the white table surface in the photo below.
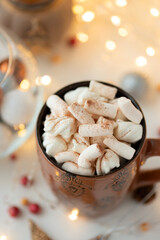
(84, 62)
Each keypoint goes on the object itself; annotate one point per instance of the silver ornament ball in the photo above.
(135, 84)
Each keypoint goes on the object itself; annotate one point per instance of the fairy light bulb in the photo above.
(122, 32)
(3, 237)
(140, 61)
(88, 16)
(57, 173)
(110, 45)
(154, 12)
(115, 20)
(25, 85)
(77, 9)
(150, 51)
(46, 80)
(21, 126)
(22, 133)
(121, 3)
(74, 214)
(82, 37)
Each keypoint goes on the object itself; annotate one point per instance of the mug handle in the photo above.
(148, 177)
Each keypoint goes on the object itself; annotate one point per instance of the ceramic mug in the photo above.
(97, 195)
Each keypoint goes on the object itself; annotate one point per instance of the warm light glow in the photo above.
(116, 20)
(121, 3)
(150, 51)
(122, 32)
(21, 126)
(110, 45)
(82, 37)
(74, 214)
(46, 80)
(77, 9)
(25, 84)
(154, 12)
(57, 173)
(3, 237)
(140, 61)
(88, 16)
(22, 133)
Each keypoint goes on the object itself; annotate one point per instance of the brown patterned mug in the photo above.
(96, 195)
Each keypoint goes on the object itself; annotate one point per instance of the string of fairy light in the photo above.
(88, 16)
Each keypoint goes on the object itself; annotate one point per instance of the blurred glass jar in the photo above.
(20, 97)
(38, 21)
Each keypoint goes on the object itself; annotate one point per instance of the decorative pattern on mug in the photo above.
(73, 184)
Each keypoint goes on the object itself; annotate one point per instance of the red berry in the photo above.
(24, 180)
(13, 156)
(34, 208)
(72, 41)
(14, 211)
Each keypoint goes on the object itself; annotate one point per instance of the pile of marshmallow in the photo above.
(91, 131)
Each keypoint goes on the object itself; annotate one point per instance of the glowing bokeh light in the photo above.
(25, 84)
(82, 37)
(46, 80)
(150, 51)
(140, 61)
(74, 214)
(3, 237)
(116, 20)
(154, 12)
(22, 133)
(122, 32)
(88, 16)
(110, 45)
(77, 9)
(121, 3)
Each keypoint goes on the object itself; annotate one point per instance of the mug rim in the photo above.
(73, 86)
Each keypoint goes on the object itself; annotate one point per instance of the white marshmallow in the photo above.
(98, 140)
(72, 96)
(102, 89)
(95, 130)
(86, 94)
(78, 143)
(57, 106)
(67, 156)
(119, 113)
(129, 110)
(110, 160)
(53, 145)
(102, 120)
(80, 114)
(89, 155)
(128, 131)
(107, 162)
(101, 108)
(74, 168)
(63, 126)
(122, 149)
